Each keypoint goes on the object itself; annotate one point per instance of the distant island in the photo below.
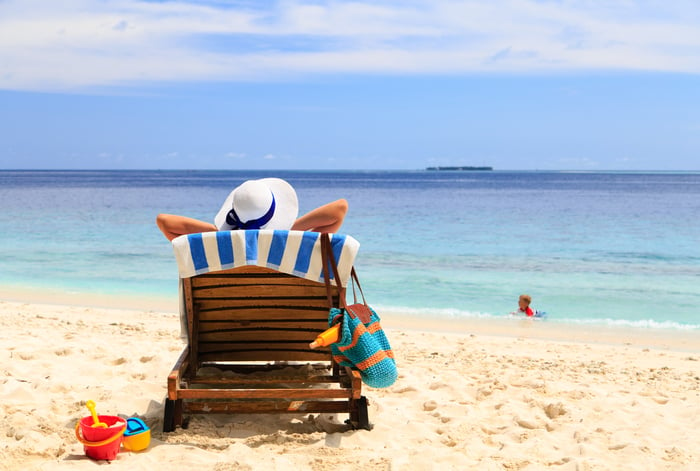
(487, 169)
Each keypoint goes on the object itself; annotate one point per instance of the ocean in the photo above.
(613, 248)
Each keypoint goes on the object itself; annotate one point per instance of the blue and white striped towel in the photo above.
(295, 252)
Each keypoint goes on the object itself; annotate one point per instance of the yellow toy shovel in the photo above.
(95, 419)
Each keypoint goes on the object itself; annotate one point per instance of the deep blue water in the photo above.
(589, 247)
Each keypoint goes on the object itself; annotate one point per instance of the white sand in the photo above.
(488, 395)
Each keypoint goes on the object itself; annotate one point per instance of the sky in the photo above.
(589, 85)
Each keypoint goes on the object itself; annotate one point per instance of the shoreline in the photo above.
(646, 337)
(33, 295)
(531, 329)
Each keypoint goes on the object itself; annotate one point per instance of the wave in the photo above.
(641, 323)
(455, 314)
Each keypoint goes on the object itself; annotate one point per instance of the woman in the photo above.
(268, 203)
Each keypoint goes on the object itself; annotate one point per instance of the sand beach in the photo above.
(473, 394)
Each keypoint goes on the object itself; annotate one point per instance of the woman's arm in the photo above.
(327, 218)
(173, 226)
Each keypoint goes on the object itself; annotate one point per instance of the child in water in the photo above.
(524, 305)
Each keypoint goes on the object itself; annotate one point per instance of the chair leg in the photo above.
(359, 416)
(363, 414)
(172, 417)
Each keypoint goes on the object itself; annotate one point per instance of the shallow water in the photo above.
(612, 248)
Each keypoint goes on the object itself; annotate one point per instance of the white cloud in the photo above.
(108, 156)
(77, 44)
(578, 163)
(235, 155)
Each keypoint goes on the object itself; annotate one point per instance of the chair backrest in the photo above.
(256, 314)
(257, 295)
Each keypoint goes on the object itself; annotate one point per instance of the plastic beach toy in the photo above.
(95, 419)
(101, 443)
(137, 436)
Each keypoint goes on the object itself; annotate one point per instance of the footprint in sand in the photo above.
(449, 442)
(119, 361)
(577, 394)
(554, 410)
(429, 406)
(146, 359)
(438, 385)
(530, 424)
(483, 393)
(60, 389)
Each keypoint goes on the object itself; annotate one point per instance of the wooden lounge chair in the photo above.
(252, 301)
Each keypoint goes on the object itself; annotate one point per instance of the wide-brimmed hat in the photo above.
(268, 203)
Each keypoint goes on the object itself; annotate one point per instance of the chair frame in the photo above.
(251, 322)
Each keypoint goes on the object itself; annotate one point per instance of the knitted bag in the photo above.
(364, 347)
(362, 344)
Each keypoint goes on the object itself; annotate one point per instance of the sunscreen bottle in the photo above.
(327, 337)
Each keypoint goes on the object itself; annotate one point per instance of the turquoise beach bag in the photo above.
(362, 344)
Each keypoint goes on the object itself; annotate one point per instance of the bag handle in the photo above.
(327, 258)
(354, 294)
(356, 281)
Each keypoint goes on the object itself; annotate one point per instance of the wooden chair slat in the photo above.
(259, 380)
(267, 407)
(264, 314)
(253, 336)
(266, 355)
(267, 291)
(301, 347)
(265, 393)
(291, 306)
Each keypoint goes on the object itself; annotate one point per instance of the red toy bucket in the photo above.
(101, 443)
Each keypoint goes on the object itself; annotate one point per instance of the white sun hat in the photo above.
(268, 203)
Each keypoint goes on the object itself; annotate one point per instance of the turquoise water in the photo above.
(608, 248)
